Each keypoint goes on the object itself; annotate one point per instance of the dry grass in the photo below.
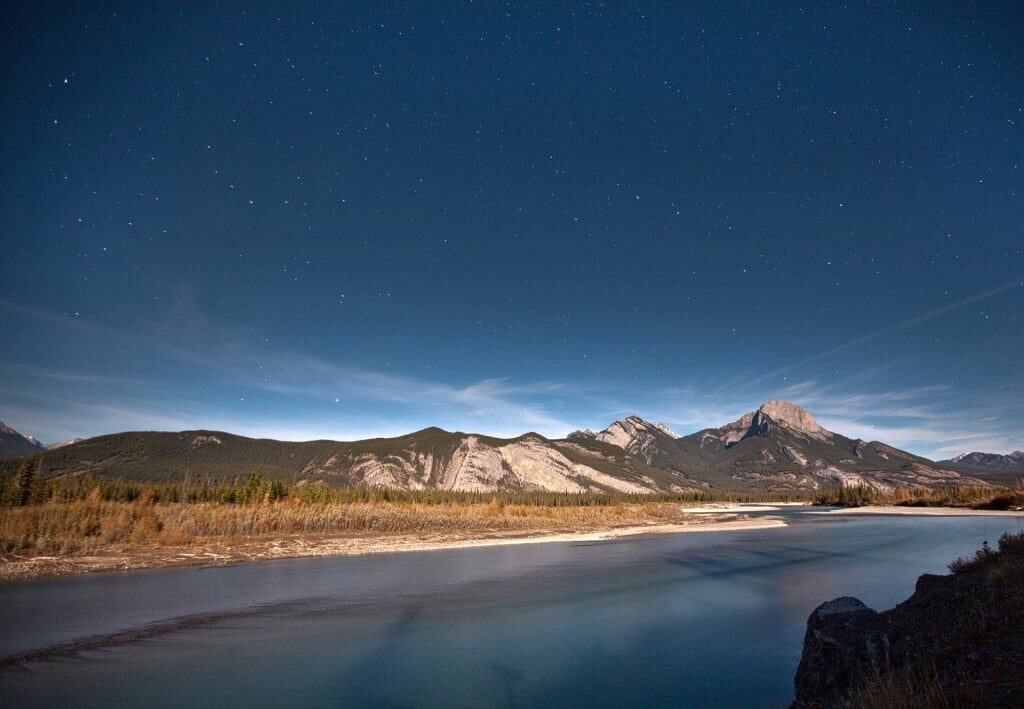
(988, 627)
(987, 498)
(93, 525)
(916, 687)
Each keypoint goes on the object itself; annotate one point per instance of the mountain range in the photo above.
(1009, 466)
(780, 447)
(14, 444)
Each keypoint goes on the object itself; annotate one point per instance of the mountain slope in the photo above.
(13, 444)
(782, 445)
(1013, 462)
(658, 447)
(778, 447)
(431, 458)
(632, 434)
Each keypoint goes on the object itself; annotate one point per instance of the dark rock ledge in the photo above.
(957, 641)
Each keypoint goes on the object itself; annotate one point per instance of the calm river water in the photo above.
(707, 619)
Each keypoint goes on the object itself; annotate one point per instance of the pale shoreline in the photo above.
(214, 554)
(923, 511)
(742, 507)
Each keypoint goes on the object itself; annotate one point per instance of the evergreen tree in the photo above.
(25, 479)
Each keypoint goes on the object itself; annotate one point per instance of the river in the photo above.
(700, 619)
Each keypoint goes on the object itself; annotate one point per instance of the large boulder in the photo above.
(844, 641)
(957, 641)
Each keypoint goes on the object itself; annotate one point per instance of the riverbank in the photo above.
(87, 537)
(166, 536)
(742, 507)
(957, 641)
(924, 511)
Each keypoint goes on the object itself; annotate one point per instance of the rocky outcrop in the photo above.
(476, 465)
(632, 434)
(793, 419)
(845, 640)
(957, 641)
(791, 416)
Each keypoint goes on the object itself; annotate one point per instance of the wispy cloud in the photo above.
(503, 406)
(493, 405)
(891, 329)
(22, 370)
(937, 420)
(288, 394)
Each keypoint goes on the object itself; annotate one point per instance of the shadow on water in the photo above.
(149, 631)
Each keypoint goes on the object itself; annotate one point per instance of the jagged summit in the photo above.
(632, 434)
(784, 414)
(14, 444)
(623, 430)
(794, 417)
(639, 436)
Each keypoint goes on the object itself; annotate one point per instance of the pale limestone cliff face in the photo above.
(623, 433)
(205, 441)
(779, 413)
(476, 466)
(794, 455)
(666, 430)
(632, 434)
(390, 472)
(848, 479)
(729, 434)
(538, 465)
(735, 431)
(794, 418)
(577, 448)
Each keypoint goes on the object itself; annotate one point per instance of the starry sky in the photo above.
(347, 220)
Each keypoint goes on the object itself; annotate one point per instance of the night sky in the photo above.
(325, 221)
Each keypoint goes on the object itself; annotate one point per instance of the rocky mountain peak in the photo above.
(14, 444)
(632, 425)
(10, 433)
(632, 434)
(771, 414)
(795, 416)
(622, 432)
(792, 416)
